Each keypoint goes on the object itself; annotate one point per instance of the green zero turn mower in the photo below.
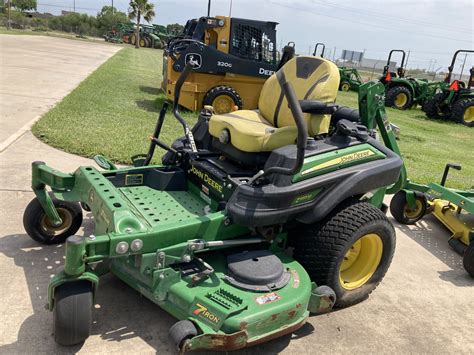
(254, 220)
(404, 92)
(455, 99)
(452, 207)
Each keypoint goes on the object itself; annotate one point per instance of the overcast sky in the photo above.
(431, 29)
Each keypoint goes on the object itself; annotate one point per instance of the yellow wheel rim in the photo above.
(142, 43)
(401, 99)
(411, 213)
(345, 87)
(223, 104)
(469, 114)
(361, 261)
(51, 230)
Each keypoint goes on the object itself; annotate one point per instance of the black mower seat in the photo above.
(272, 126)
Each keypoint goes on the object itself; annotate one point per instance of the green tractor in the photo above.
(120, 33)
(455, 101)
(401, 92)
(350, 79)
(147, 38)
(254, 219)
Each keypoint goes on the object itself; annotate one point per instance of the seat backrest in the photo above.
(313, 78)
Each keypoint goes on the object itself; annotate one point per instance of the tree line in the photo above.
(23, 15)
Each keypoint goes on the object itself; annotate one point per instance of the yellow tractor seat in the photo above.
(272, 126)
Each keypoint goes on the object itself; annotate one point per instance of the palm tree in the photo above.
(139, 9)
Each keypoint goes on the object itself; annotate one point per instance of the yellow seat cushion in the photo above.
(250, 132)
(272, 126)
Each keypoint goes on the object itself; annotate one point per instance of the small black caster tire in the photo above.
(182, 331)
(468, 259)
(72, 312)
(39, 228)
(403, 213)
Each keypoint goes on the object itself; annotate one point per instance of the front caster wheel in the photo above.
(350, 250)
(403, 213)
(39, 227)
(468, 259)
(72, 312)
(181, 331)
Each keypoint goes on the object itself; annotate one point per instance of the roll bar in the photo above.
(400, 68)
(447, 80)
(316, 49)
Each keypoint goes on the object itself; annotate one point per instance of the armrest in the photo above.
(317, 107)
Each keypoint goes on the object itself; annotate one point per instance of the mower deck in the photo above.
(229, 317)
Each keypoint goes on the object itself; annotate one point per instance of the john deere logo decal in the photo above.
(202, 311)
(341, 160)
(195, 59)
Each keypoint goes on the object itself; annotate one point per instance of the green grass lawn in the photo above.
(114, 110)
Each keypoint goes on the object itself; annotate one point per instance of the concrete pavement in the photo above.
(36, 72)
(424, 304)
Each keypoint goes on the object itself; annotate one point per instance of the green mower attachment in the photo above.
(452, 207)
(239, 247)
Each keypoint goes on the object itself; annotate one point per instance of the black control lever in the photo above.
(352, 129)
(455, 166)
(177, 115)
(318, 107)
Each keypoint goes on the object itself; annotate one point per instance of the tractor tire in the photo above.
(344, 86)
(223, 99)
(431, 106)
(402, 213)
(468, 259)
(463, 112)
(38, 227)
(350, 250)
(399, 97)
(72, 312)
(142, 43)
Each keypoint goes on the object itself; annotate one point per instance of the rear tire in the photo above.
(402, 213)
(223, 99)
(72, 312)
(38, 227)
(350, 250)
(463, 112)
(431, 106)
(468, 259)
(399, 97)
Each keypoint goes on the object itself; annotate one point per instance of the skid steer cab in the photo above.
(231, 59)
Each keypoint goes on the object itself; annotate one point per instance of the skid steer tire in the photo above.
(350, 250)
(38, 227)
(399, 97)
(463, 112)
(223, 99)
